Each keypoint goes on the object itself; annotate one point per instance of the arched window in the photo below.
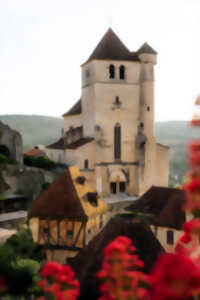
(122, 72)
(117, 141)
(111, 71)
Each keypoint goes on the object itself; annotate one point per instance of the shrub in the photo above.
(3, 159)
(39, 162)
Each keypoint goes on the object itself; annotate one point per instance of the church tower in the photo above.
(116, 147)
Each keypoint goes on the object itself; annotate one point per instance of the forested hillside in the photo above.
(45, 130)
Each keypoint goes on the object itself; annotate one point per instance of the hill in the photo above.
(45, 130)
(35, 130)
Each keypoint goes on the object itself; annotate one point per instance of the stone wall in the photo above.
(27, 181)
(13, 141)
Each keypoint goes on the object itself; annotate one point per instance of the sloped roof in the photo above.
(111, 47)
(75, 110)
(79, 143)
(164, 204)
(64, 199)
(34, 151)
(89, 260)
(146, 48)
(61, 145)
(59, 200)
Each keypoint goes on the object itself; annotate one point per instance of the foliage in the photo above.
(46, 130)
(39, 162)
(19, 264)
(3, 159)
(24, 246)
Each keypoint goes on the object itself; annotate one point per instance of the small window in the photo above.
(141, 125)
(117, 100)
(80, 180)
(101, 222)
(113, 187)
(122, 72)
(86, 163)
(111, 71)
(170, 237)
(70, 234)
(148, 108)
(46, 230)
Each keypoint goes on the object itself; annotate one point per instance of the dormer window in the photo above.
(122, 72)
(111, 71)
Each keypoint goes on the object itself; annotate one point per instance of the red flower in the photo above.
(185, 238)
(174, 277)
(59, 282)
(120, 272)
(192, 226)
(195, 122)
(192, 185)
(194, 146)
(51, 269)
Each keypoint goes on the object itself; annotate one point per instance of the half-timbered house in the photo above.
(67, 215)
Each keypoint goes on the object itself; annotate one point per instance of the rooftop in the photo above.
(164, 204)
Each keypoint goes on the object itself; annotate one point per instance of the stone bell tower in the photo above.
(113, 140)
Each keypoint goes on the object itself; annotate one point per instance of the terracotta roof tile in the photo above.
(33, 152)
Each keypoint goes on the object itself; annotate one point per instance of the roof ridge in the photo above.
(111, 47)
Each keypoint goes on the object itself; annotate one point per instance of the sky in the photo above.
(44, 42)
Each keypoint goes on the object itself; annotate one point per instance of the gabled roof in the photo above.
(164, 204)
(64, 199)
(111, 47)
(89, 260)
(75, 110)
(146, 48)
(59, 200)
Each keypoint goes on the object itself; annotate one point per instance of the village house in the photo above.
(67, 215)
(89, 260)
(109, 132)
(162, 209)
(37, 151)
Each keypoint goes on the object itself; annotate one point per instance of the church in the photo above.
(109, 133)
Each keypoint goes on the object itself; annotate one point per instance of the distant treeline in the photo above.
(46, 130)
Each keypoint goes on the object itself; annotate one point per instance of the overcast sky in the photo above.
(44, 42)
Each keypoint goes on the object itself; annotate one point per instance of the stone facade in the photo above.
(109, 133)
(11, 143)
